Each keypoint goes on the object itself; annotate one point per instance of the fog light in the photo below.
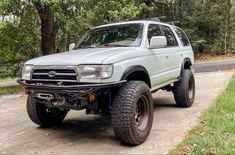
(82, 91)
(92, 97)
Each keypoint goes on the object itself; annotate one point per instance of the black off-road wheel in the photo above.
(184, 90)
(132, 113)
(42, 115)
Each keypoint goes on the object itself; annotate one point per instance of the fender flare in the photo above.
(133, 69)
(186, 61)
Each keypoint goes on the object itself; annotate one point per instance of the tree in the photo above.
(49, 27)
(56, 16)
(42, 27)
(229, 38)
(19, 38)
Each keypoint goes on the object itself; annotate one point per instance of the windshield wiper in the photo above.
(104, 45)
(115, 45)
(91, 46)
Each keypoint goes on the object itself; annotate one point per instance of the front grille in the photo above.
(54, 75)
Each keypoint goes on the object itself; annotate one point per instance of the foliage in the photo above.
(204, 23)
(20, 39)
(92, 13)
(11, 90)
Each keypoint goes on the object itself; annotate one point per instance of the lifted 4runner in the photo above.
(113, 70)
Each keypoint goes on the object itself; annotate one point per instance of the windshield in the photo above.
(125, 35)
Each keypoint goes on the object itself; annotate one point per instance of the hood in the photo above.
(80, 56)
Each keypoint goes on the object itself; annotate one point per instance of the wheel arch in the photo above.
(137, 73)
(186, 64)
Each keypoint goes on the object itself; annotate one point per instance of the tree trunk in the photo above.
(204, 4)
(48, 28)
(229, 27)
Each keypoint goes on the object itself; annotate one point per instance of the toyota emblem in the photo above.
(51, 74)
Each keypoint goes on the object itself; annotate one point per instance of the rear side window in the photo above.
(171, 40)
(153, 31)
(182, 36)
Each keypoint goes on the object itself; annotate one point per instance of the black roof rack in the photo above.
(173, 22)
(158, 19)
(155, 19)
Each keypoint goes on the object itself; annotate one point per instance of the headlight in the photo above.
(26, 73)
(95, 71)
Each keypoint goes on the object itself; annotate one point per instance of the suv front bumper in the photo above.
(82, 89)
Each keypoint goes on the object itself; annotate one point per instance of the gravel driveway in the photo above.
(80, 133)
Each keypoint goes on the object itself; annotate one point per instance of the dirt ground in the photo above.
(88, 134)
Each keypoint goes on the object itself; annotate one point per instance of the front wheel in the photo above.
(184, 90)
(42, 115)
(132, 113)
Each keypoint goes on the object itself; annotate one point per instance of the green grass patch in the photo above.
(8, 80)
(215, 134)
(11, 90)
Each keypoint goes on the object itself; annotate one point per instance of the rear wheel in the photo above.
(132, 113)
(184, 90)
(42, 115)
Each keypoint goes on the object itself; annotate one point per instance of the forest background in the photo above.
(32, 28)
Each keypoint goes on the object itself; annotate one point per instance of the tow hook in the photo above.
(59, 102)
(45, 96)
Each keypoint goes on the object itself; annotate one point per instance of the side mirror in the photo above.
(158, 42)
(71, 46)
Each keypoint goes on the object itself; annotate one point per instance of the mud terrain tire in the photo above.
(43, 116)
(184, 90)
(132, 113)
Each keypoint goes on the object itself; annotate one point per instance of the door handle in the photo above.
(166, 56)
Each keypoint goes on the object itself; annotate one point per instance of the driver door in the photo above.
(159, 63)
(162, 63)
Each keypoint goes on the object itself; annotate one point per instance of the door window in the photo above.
(182, 36)
(171, 40)
(153, 31)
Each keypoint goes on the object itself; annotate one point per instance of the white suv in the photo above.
(113, 70)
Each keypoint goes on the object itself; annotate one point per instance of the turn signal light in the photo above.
(82, 90)
(92, 97)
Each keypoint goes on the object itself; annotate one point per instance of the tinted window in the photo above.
(153, 31)
(171, 40)
(183, 37)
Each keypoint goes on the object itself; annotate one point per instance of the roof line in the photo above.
(133, 22)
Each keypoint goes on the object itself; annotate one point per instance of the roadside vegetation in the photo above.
(215, 133)
(11, 90)
(7, 80)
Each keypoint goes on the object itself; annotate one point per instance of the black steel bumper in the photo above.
(82, 88)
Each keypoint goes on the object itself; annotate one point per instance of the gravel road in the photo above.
(81, 134)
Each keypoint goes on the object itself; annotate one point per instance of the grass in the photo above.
(11, 90)
(215, 134)
(8, 80)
